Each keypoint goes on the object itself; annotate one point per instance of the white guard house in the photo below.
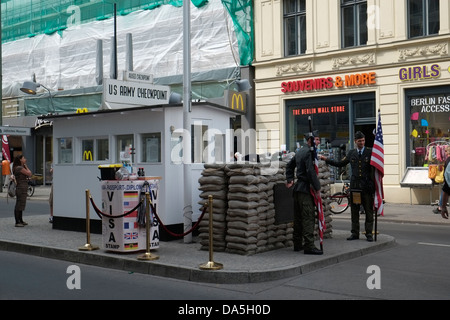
(84, 141)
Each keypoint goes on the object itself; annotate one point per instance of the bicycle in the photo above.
(340, 201)
(30, 189)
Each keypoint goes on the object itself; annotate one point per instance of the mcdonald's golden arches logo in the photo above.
(237, 101)
(87, 155)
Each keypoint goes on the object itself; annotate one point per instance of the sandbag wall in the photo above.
(244, 209)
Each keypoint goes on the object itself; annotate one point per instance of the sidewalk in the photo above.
(182, 260)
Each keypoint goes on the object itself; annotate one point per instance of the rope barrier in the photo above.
(177, 234)
(100, 214)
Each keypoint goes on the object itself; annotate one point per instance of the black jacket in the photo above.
(363, 173)
(306, 173)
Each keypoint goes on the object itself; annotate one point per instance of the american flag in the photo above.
(318, 201)
(377, 160)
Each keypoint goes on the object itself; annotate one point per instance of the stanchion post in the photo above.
(211, 265)
(88, 246)
(147, 255)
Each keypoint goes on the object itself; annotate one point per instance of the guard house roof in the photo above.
(137, 108)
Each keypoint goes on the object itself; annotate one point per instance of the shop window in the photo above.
(294, 27)
(428, 117)
(330, 116)
(65, 150)
(423, 18)
(124, 148)
(151, 147)
(354, 23)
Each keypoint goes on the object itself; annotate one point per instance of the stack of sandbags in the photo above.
(213, 182)
(244, 210)
(245, 203)
(325, 181)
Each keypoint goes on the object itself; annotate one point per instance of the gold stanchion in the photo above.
(147, 255)
(211, 265)
(88, 246)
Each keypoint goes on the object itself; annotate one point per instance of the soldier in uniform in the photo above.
(362, 180)
(304, 207)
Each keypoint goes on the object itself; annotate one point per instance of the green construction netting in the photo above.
(28, 18)
(241, 11)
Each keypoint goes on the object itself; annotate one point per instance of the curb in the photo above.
(223, 276)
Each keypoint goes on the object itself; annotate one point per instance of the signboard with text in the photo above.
(15, 131)
(135, 93)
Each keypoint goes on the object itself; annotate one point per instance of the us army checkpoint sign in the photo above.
(135, 93)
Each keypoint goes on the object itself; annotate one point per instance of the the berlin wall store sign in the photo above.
(352, 80)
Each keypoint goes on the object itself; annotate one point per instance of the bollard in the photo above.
(211, 265)
(147, 255)
(88, 246)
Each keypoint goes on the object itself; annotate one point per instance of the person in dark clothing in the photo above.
(304, 207)
(445, 191)
(21, 174)
(362, 183)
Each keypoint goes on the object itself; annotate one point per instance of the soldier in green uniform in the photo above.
(362, 180)
(304, 207)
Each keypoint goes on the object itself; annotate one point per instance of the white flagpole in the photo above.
(187, 208)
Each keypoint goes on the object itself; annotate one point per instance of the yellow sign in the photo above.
(87, 155)
(82, 110)
(237, 101)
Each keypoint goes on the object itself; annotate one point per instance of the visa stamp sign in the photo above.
(135, 93)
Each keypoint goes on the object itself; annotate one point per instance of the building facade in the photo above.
(342, 62)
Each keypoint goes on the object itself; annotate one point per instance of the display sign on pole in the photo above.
(15, 131)
(124, 234)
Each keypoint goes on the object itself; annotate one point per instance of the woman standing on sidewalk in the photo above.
(21, 174)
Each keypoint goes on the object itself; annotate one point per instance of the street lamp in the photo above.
(30, 87)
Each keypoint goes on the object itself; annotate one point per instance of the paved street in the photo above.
(411, 253)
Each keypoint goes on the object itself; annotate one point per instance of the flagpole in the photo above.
(314, 156)
(375, 212)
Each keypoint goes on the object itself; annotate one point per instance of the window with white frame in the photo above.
(65, 150)
(423, 18)
(124, 147)
(151, 147)
(94, 149)
(354, 23)
(294, 27)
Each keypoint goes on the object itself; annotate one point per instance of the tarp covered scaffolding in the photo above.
(66, 58)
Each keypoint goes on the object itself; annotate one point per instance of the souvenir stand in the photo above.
(123, 222)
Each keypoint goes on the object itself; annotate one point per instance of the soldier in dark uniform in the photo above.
(304, 207)
(362, 179)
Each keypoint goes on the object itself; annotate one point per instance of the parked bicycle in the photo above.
(31, 185)
(340, 201)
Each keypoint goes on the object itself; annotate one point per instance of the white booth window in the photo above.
(151, 147)
(102, 149)
(124, 145)
(65, 150)
(94, 149)
(199, 142)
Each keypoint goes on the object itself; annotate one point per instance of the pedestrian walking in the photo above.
(21, 174)
(304, 207)
(362, 184)
(50, 198)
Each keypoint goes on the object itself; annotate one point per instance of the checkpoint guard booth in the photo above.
(154, 132)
